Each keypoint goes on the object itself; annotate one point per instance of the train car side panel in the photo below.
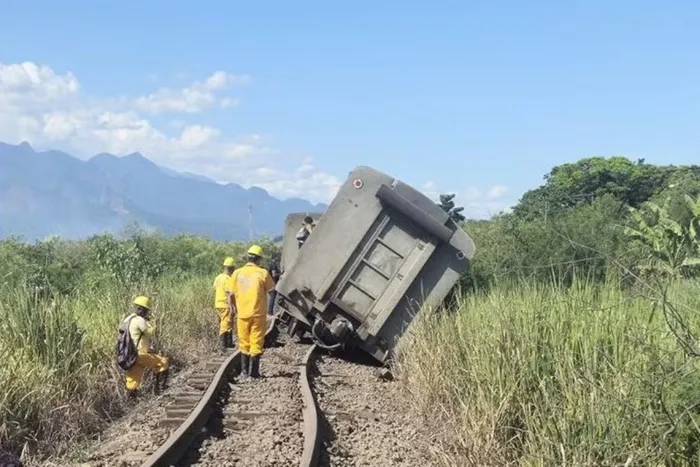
(380, 252)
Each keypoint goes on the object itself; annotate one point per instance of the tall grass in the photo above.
(540, 375)
(58, 380)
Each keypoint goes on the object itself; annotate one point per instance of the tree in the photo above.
(570, 185)
(448, 205)
(672, 252)
(669, 245)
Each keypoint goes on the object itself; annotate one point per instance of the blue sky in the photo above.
(465, 98)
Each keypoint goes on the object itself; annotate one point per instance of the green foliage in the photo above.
(570, 185)
(127, 263)
(671, 253)
(448, 205)
(60, 267)
(60, 303)
(533, 374)
(682, 182)
(694, 223)
(581, 242)
(670, 246)
(566, 228)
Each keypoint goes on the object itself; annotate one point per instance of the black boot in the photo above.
(255, 367)
(156, 384)
(245, 362)
(229, 339)
(164, 380)
(222, 342)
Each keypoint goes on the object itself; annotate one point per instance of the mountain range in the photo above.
(53, 193)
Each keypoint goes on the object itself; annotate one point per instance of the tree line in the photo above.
(591, 218)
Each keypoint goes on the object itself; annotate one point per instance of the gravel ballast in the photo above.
(367, 422)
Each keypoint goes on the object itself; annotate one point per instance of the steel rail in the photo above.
(175, 447)
(312, 440)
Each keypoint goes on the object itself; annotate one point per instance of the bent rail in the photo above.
(179, 441)
(310, 455)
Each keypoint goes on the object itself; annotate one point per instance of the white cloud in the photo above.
(478, 203)
(27, 83)
(48, 109)
(197, 97)
(496, 192)
(305, 180)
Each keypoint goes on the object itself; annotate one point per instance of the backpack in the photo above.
(9, 460)
(125, 349)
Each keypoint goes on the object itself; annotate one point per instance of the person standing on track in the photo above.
(223, 304)
(274, 269)
(142, 330)
(249, 286)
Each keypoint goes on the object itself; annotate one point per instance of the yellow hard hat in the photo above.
(143, 301)
(255, 250)
(228, 261)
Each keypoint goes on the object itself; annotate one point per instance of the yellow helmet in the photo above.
(143, 301)
(228, 261)
(255, 250)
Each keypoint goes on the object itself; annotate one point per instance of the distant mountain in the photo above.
(189, 175)
(51, 192)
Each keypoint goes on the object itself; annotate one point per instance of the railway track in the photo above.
(272, 421)
(310, 409)
(364, 421)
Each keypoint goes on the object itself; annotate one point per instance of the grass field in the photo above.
(58, 379)
(537, 375)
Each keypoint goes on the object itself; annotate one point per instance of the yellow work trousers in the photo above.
(225, 324)
(251, 334)
(134, 375)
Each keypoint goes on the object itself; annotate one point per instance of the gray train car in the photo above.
(380, 252)
(292, 224)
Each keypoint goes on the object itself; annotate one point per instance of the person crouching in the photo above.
(142, 330)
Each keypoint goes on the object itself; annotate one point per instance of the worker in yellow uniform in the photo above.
(142, 330)
(249, 286)
(223, 303)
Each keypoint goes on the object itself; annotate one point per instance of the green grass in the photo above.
(58, 377)
(536, 375)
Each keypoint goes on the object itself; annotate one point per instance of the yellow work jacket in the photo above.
(220, 286)
(249, 286)
(141, 332)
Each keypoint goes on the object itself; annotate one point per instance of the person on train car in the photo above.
(223, 304)
(273, 268)
(306, 228)
(249, 286)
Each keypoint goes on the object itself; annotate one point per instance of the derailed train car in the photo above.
(380, 252)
